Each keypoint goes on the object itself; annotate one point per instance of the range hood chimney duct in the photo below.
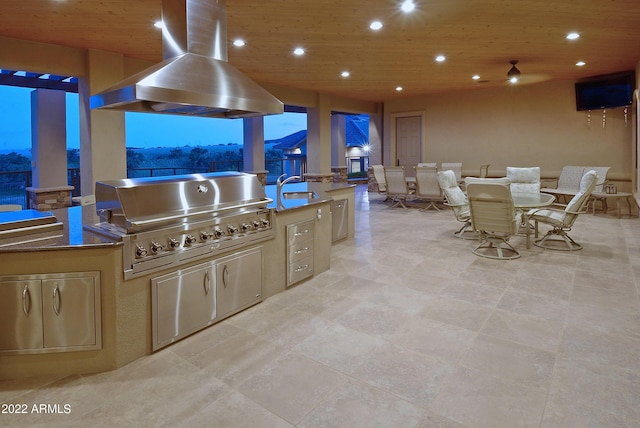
(194, 77)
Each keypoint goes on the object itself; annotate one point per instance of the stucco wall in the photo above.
(527, 125)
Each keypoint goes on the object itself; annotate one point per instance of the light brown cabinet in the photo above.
(50, 313)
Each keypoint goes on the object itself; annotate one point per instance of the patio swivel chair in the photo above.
(524, 180)
(397, 188)
(456, 167)
(427, 187)
(561, 221)
(378, 174)
(495, 218)
(457, 200)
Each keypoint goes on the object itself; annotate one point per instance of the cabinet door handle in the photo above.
(302, 232)
(26, 300)
(207, 283)
(56, 299)
(301, 268)
(301, 250)
(225, 276)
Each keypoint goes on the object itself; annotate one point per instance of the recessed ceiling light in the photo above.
(398, 88)
(407, 6)
(475, 77)
(158, 24)
(573, 36)
(375, 25)
(581, 63)
(441, 58)
(345, 74)
(298, 51)
(239, 43)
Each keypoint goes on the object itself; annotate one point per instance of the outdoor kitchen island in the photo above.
(122, 308)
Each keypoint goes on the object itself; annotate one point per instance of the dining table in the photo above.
(524, 201)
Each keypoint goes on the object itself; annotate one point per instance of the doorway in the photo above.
(409, 141)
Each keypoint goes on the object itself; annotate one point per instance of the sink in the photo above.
(300, 195)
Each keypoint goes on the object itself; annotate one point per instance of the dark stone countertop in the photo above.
(323, 190)
(72, 235)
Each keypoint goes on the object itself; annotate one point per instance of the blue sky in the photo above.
(143, 130)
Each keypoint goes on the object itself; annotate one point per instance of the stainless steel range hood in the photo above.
(194, 78)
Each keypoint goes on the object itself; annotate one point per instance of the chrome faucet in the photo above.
(280, 182)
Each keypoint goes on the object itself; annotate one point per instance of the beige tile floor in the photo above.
(407, 329)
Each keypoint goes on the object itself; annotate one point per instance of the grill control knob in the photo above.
(189, 239)
(156, 247)
(256, 224)
(173, 243)
(206, 235)
(218, 232)
(245, 227)
(265, 222)
(232, 229)
(140, 251)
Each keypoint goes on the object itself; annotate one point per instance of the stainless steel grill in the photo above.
(167, 221)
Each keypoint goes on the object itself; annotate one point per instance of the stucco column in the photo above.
(375, 139)
(319, 140)
(253, 147)
(48, 138)
(103, 153)
(50, 189)
(338, 140)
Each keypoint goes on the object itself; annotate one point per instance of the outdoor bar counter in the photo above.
(123, 307)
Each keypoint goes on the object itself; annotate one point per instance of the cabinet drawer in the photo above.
(300, 251)
(300, 270)
(300, 232)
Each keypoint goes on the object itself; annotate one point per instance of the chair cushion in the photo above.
(455, 196)
(502, 180)
(552, 217)
(587, 184)
(524, 180)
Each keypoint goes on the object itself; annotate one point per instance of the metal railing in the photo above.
(13, 184)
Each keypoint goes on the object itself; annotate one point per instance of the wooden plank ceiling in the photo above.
(477, 37)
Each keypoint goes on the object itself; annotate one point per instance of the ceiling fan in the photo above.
(513, 74)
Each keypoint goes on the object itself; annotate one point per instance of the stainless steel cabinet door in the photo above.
(20, 315)
(239, 281)
(68, 311)
(183, 303)
(339, 219)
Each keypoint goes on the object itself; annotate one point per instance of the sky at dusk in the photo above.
(142, 130)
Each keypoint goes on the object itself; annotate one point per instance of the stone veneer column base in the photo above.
(262, 176)
(319, 178)
(340, 174)
(49, 198)
(372, 183)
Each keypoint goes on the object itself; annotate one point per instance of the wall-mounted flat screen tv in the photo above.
(610, 91)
